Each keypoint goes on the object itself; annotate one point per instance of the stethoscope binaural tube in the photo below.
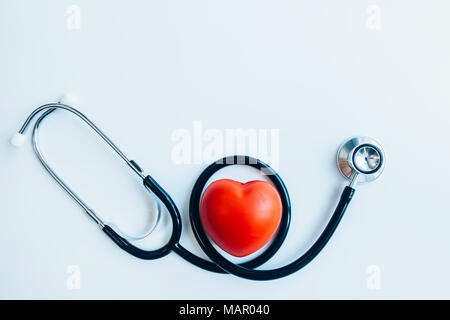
(360, 159)
(44, 111)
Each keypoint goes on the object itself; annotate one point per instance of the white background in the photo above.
(315, 70)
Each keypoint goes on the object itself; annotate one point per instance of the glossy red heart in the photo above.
(240, 217)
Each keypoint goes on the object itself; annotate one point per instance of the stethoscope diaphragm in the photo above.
(361, 158)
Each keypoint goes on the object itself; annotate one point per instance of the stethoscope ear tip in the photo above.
(18, 140)
(69, 99)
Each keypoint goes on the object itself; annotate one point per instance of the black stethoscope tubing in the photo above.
(219, 263)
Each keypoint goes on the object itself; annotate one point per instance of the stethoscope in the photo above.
(359, 160)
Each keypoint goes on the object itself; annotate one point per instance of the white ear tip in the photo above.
(69, 99)
(18, 140)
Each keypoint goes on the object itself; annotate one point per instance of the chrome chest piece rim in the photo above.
(362, 156)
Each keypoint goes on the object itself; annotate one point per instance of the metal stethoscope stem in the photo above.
(359, 159)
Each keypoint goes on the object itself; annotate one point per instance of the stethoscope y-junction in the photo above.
(359, 159)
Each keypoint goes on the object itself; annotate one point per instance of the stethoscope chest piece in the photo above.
(361, 156)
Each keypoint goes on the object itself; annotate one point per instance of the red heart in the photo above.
(240, 217)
